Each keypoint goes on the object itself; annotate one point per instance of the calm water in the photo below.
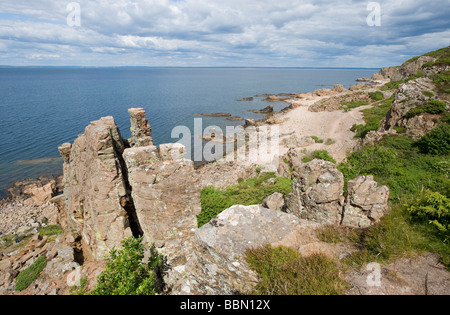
(41, 108)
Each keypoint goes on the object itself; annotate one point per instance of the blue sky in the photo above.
(247, 33)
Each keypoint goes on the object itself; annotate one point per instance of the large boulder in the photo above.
(317, 192)
(95, 191)
(366, 202)
(215, 261)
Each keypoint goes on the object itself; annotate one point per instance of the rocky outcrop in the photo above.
(215, 262)
(141, 132)
(36, 192)
(95, 193)
(409, 96)
(165, 190)
(406, 70)
(318, 195)
(113, 191)
(366, 202)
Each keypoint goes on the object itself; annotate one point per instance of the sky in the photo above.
(220, 33)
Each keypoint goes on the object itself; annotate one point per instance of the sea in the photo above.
(43, 107)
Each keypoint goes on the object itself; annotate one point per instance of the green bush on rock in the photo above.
(126, 273)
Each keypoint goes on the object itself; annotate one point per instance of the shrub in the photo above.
(283, 271)
(126, 273)
(435, 107)
(376, 96)
(432, 107)
(50, 230)
(317, 139)
(251, 192)
(434, 208)
(436, 142)
(27, 276)
(323, 155)
(428, 93)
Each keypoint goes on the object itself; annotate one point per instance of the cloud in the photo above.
(221, 33)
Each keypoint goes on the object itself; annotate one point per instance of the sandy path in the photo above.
(334, 125)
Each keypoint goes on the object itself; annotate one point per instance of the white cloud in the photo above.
(226, 32)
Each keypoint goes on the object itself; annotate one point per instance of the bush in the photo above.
(126, 273)
(283, 271)
(376, 96)
(251, 192)
(434, 208)
(27, 276)
(436, 142)
(323, 155)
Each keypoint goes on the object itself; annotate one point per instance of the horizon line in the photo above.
(186, 67)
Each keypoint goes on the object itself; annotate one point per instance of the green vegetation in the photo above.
(397, 162)
(283, 271)
(252, 191)
(373, 117)
(27, 276)
(347, 106)
(320, 155)
(126, 273)
(432, 107)
(50, 230)
(397, 235)
(323, 155)
(376, 96)
(428, 93)
(317, 139)
(436, 142)
(433, 208)
(80, 289)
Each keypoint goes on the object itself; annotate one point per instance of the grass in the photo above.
(398, 163)
(27, 276)
(320, 155)
(373, 117)
(50, 230)
(250, 192)
(283, 271)
(347, 106)
(396, 236)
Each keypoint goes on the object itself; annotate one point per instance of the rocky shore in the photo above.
(114, 188)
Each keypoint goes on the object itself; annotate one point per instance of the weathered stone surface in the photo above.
(223, 174)
(95, 191)
(36, 192)
(64, 150)
(366, 202)
(317, 192)
(172, 151)
(141, 155)
(141, 132)
(166, 193)
(274, 202)
(409, 96)
(214, 261)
